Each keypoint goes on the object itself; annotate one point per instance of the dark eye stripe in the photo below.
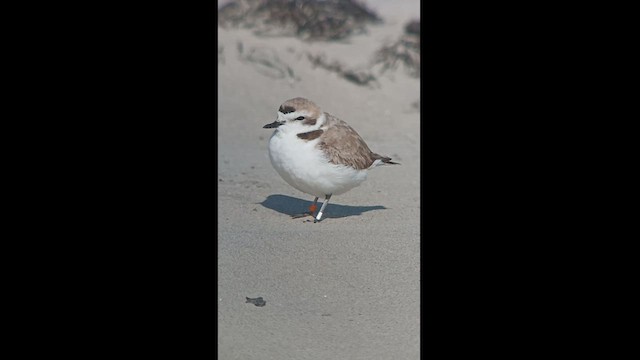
(300, 118)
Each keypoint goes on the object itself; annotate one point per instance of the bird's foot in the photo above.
(298, 216)
(312, 209)
(314, 220)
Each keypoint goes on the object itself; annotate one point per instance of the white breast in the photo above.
(302, 165)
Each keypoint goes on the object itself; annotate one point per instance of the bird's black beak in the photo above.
(274, 124)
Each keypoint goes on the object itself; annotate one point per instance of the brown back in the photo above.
(344, 146)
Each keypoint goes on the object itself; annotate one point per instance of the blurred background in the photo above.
(359, 61)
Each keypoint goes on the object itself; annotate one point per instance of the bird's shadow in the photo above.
(292, 206)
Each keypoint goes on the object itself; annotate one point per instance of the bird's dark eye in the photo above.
(300, 118)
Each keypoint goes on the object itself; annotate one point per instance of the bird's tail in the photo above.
(382, 160)
(387, 160)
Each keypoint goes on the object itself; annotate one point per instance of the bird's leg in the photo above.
(312, 209)
(324, 205)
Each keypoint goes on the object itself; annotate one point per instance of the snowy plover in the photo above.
(317, 153)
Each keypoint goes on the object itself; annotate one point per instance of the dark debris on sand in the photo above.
(405, 51)
(361, 77)
(307, 19)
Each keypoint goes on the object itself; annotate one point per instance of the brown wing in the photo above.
(344, 146)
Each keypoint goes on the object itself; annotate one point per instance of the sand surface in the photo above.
(344, 288)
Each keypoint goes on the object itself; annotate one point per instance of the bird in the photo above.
(318, 153)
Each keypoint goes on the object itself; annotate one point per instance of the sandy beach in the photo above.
(349, 286)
